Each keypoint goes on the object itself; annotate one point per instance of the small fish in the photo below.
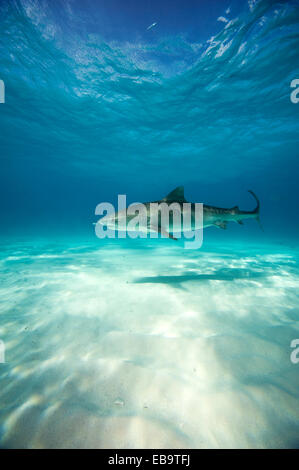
(151, 26)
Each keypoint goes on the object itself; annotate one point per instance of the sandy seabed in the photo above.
(109, 345)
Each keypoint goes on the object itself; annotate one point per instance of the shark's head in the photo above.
(111, 221)
(121, 220)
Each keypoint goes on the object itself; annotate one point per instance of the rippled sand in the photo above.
(119, 346)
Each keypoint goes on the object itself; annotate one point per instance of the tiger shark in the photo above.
(177, 204)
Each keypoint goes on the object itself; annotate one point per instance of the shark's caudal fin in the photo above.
(257, 209)
(177, 195)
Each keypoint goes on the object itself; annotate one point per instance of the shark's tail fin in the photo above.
(256, 211)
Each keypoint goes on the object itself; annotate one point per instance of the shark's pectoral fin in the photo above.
(162, 232)
(169, 235)
(220, 224)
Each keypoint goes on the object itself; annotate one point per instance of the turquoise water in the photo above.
(125, 346)
(143, 343)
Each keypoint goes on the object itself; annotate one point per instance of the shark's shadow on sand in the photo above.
(225, 274)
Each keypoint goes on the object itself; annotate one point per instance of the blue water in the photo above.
(142, 343)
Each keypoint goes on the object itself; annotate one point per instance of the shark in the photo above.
(212, 216)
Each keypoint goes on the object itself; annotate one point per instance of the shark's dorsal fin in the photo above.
(176, 195)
